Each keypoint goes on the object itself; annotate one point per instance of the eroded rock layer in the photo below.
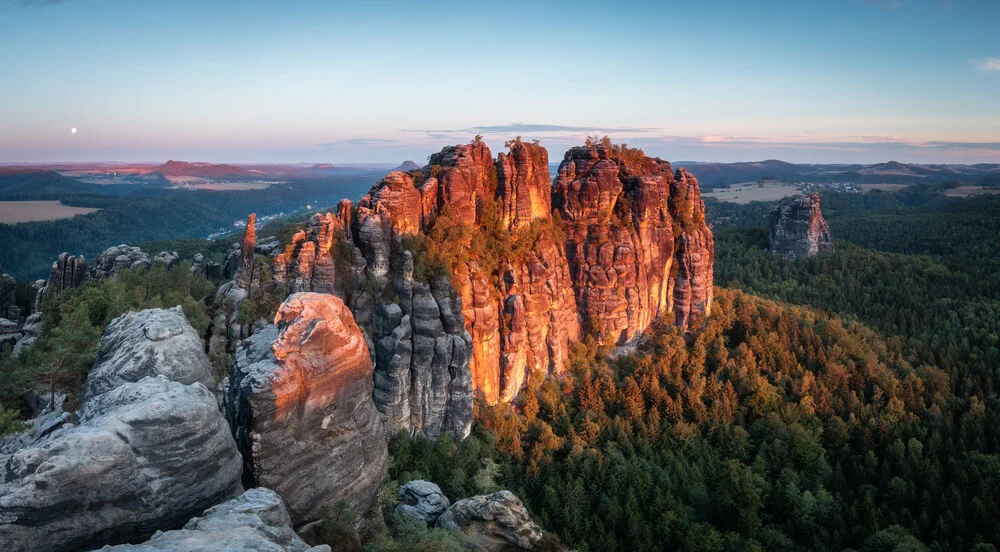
(796, 227)
(300, 406)
(148, 451)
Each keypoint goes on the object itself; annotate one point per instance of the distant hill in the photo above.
(200, 170)
(407, 166)
(40, 184)
(893, 172)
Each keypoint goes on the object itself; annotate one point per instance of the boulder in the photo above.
(300, 405)
(797, 229)
(148, 343)
(116, 258)
(255, 520)
(492, 522)
(145, 453)
(167, 258)
(422, 500)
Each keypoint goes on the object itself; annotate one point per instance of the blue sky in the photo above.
(311, 81)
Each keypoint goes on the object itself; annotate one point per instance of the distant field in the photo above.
(752, 191)
(886, 187)
(12, 212)
(965, 191)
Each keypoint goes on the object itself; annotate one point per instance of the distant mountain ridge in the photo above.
(200, 170)
(891, 172)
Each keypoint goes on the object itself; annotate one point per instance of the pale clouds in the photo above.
(987, 65)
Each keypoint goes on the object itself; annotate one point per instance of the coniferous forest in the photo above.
(846, 401)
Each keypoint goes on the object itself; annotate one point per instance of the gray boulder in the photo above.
(145, 455)
(422, 500)
(145, 452)
(149, 343)
(118, 257)
(169, 259)
(255, 520)
(492, 522)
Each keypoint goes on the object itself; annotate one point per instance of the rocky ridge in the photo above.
(617, 241)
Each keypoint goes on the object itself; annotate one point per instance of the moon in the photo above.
(72, 130)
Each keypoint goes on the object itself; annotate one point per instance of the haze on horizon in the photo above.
(266, 81)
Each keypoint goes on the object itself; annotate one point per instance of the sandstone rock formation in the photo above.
(30, 332)
(492, 522)
(419, 344)
(255, 520)
(797, 229)
(146, 454)
(422, 500)
(300, 405)
(630, 245)
(8, 298)
(148, 343)
(119, 257)
(309, 262)
(247, 266)
(68, 271)
(169, 259)
(636, 240)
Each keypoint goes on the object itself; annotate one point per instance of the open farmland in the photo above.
(12, 212)
(752, 191)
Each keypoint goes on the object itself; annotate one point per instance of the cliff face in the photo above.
(636, 241)
(300, 406)
(796, 227)
(629, 244)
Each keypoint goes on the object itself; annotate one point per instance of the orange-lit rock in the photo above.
(245, 273)
(525, 188)
(467, 178)
(300, 404)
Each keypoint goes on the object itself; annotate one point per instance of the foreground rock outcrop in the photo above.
(492, 522)
(617, 241)
(797, 229)
(300, 406)
(146, 452)
(255, 520)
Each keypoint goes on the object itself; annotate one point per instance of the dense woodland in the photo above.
(842, 402)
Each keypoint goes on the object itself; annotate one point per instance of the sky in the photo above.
(818, 81)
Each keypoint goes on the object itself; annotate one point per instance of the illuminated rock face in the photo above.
(525, 188)
(245, 273)
(636, 241)
(630, 246)
(300, 405)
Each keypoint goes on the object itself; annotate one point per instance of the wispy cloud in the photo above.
(987, 65)
(529, 128)
(357, 142)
